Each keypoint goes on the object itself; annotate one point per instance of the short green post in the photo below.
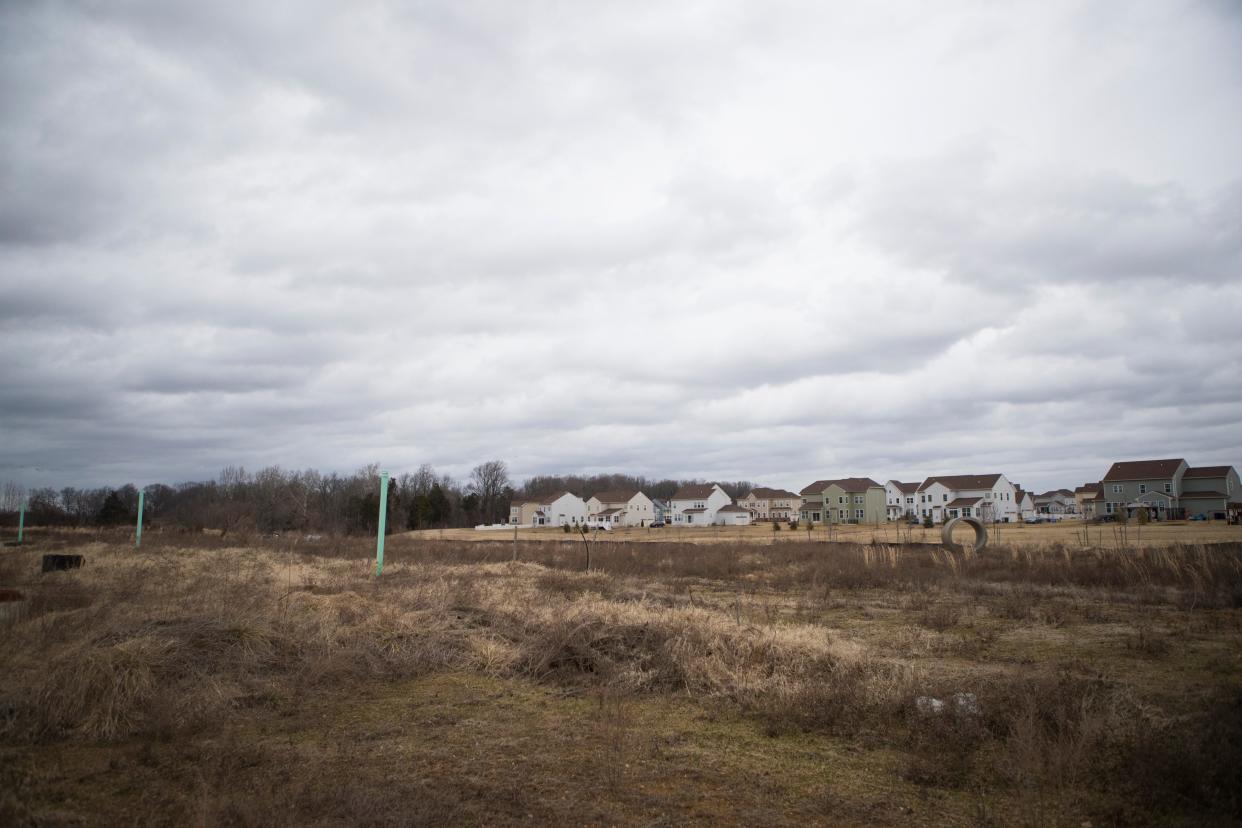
(138, 535)
(383, 519)
(21, 522)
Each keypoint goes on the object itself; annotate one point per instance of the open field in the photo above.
(1069, 533)
(282, 683)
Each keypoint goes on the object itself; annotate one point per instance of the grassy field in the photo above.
(1069, 533)
(282, 683)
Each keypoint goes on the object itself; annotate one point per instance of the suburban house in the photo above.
(551, 510)
(620, 508)
(732, 515)
(527, 513)
(1024, 502)
(989, 497)
(900, 497)
(1084, 493)
(1208, 490)
(1056, 502)
(848, 500)
(1131, 485)
(771, 504)
(697, 505)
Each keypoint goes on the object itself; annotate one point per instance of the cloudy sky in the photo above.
(766, 240)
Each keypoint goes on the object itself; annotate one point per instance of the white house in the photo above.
(899, 499)
(989, 497)
(697, 505)
(620, 508)
(732, 515)
(1025, 502)
(565, 508)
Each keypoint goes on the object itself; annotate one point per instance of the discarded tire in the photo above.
(54, 563)
(981, 533)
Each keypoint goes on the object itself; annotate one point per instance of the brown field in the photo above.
(1069, 533)
(282, 683)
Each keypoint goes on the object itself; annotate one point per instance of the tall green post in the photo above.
(138, 534)
(383, 520)
(21, 522)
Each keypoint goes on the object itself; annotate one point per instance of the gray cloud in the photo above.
(750, 240)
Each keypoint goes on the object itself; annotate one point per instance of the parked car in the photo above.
(659, 524)
(1199, 516)
(1033, 520)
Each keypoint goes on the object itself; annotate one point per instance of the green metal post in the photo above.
(383, 519)
(21, 522)
(138, 536)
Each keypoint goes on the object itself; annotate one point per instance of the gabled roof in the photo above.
(1208, 471)
(609, 512)
(1144, 469)
(1019, 495)
(615, 496)
(692, 511)
(762, 492)
(962, 481)
(849, 484)
(905, 488)
(732, 508)
(1087, 488)
(962, 501)
(695, 492)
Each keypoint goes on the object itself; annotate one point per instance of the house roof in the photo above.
(692, 511)
(849, 484)
(1143, 469)
(732, 508)
(1085, 488)
(608, 512)
(1207, 471)
(1054, 493)
(1019, 494)
(905, 488)
(962, 501)
(962, 481)
(695, 492)
(763, 492)
(615, 496)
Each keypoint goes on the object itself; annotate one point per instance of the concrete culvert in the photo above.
(981, 533)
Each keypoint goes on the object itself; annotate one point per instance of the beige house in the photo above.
(771, 504)
(620, 508)
(528, 513)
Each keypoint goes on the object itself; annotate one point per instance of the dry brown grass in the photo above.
(1088, 707)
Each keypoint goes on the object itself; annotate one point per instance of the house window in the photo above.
(841, 499)
(1142, 488)
(1109, 506)
(1117, 488)
(909, 500)
(946, 498)
(858, 498)
(1168, 488)
(858, 513)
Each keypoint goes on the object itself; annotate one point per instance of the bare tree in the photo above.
(489, 482)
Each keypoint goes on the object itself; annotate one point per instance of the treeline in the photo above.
(279, 500)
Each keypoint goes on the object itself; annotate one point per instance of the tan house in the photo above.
(771, 504)
(620, 507)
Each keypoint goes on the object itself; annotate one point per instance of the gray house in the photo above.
(1207, 490)
(1133, 484)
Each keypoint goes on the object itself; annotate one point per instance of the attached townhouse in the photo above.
(620, 508)
(697, 505)
(900, 499)
(847, 500)
(770, 504)
(989, 497)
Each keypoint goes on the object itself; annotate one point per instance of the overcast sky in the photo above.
(769, 240)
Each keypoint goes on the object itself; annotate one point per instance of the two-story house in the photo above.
(696, 505)
(1024, 502)
(1208, 490)
(1131, 485)
(900, 499)
(1056, 502)
(988, 497)
(1083, 494)
(847, 500)
(770, 504)
(620, 508)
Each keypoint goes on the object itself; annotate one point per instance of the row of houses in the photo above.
(1165, 488)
